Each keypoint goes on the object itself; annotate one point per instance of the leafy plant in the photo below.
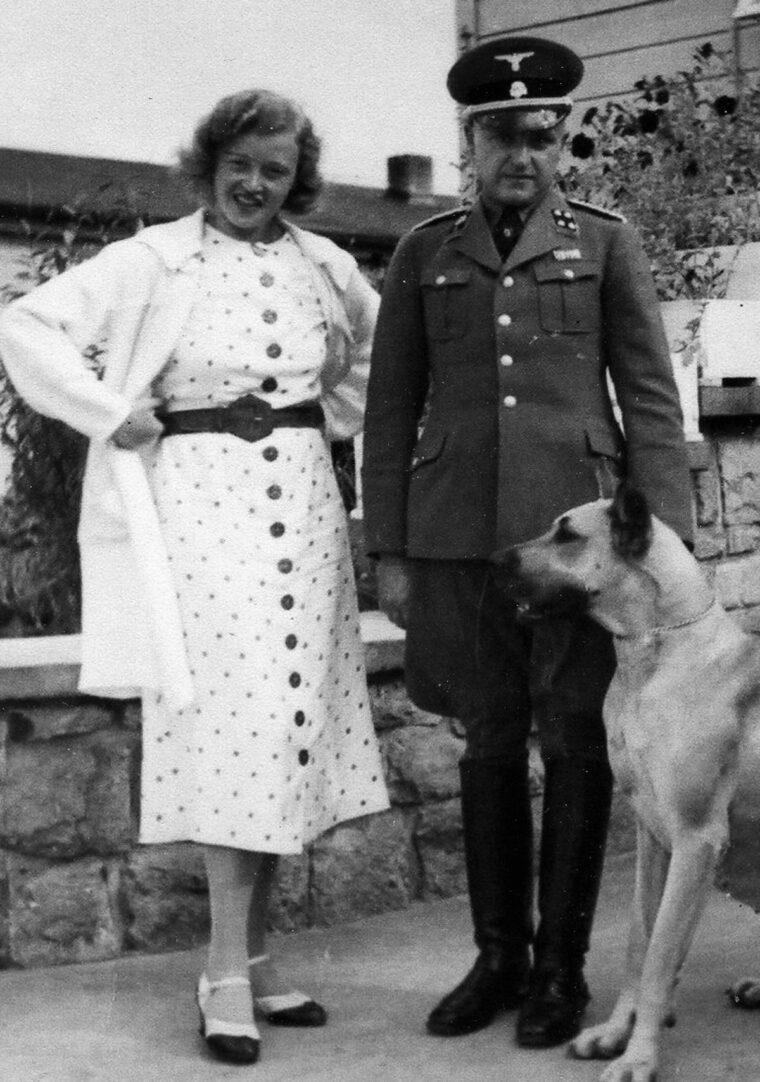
(39, 558)
(681, 161)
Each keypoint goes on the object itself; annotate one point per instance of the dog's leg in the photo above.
(610, 1038)
(688, 884)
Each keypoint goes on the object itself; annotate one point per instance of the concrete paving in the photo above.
(134, 1018)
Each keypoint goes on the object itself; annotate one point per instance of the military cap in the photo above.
(516, 73)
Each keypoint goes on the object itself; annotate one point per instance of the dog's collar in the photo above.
(670, 627)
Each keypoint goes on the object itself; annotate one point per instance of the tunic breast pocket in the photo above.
(445, 301)
(568, 297)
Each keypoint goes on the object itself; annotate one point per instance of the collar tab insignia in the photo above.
(565, 220)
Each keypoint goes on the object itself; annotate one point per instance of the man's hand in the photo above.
(140, 427)
(393, 586)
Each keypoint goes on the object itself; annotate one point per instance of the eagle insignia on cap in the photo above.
(565, 219)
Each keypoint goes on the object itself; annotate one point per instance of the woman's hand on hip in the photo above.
(142, 426)
(393, 588)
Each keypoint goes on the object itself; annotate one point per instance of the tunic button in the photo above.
(299, 717)
(285, 566)
(510, 400)
(504, 320)
(270, 383)
(440, 279)
(569, 274)
(270, 453)
(274, 492)
(303, 757)
(291, 641)
(274, 350)
(294, 680)
(506, 360)
(269, 315)
(266, 279)
(508, 281)
(277, 529)
(287, 601)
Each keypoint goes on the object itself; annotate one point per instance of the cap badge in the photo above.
(564, 219)
(518, 90)
(514, 59)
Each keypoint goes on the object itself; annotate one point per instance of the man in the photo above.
(489, 414)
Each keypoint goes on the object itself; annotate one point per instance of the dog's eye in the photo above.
(565, 532)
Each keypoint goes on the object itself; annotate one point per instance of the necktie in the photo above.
(506, 232)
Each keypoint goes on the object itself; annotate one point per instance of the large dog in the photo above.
(683, 726)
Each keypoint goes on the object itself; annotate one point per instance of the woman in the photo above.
(224, 588)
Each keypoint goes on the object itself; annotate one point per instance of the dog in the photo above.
(682, 716)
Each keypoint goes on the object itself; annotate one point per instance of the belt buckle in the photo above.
(250, 418)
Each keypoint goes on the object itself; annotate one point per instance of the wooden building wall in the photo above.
(619, 40)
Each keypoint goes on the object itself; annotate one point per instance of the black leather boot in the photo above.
(498, 847)
(576, 811)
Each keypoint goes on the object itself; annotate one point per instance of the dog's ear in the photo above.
(630, 523)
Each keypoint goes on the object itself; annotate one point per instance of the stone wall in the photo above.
(74, 886)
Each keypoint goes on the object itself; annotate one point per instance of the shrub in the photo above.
(681, 161)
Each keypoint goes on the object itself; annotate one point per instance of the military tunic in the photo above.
(489, 407)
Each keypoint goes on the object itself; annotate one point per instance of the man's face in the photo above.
(515, 158)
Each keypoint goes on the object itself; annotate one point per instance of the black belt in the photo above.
(249, 418)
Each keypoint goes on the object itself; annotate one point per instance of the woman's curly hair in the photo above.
(265, 113)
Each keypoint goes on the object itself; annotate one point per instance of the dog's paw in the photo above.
(629, 1069)
(604, 1041)
(745, 993)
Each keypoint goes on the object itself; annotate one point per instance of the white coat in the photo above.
(132, 301)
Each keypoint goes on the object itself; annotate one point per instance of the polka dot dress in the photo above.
(278, 744)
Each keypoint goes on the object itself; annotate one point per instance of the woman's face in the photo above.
(254, 175)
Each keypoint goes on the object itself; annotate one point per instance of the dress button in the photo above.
(285, 566)
(287, 601)
(568, 273)
(294, 680)
(269, 315)
(274, 350)
(299, 717)
(440, 279)
(274, 492)
(270, 383)
(266, 279)
(508, 281)
(270, 453)
(277, 529)
(291, 641)
(510, 400)
(303, 756)
(506, 360)
(504, 320)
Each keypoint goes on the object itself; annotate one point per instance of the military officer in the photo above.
(489, 414)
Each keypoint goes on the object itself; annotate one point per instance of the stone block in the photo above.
(364, 867)
(709, 543)
(422, 763)
(748, 619)
(737, 582)
(391, 707)
(438, 837)
(62, 912)
(290, 907)
(742, 539)
(67, 797)
(46, 721)
(706, 488)
(164, 897)
(740, 475)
